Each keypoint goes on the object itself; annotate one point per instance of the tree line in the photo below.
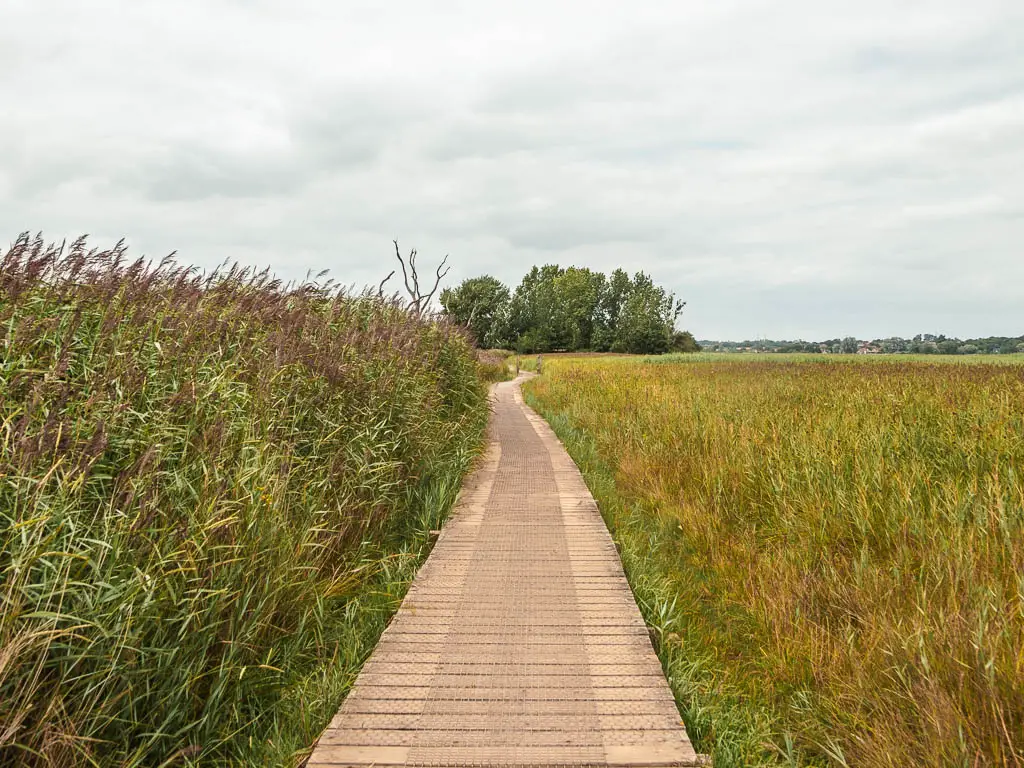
(921, 344)
(570, 309)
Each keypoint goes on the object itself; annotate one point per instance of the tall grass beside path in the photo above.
(212, 492)
(830, 553)
(494, 365)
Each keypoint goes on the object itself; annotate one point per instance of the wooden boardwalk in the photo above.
(519, 643)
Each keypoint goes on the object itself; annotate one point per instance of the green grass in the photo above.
(829, 549)
(213, 493)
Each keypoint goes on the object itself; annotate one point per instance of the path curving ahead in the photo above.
(519, 643)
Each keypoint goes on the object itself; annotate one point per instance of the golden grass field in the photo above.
(830, 550)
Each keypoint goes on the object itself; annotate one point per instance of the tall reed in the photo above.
(203, 480)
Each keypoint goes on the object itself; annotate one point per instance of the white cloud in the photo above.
(800, 169)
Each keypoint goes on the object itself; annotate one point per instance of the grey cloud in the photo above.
(565, 86)
(552, 229)
(795, 169)
(335, 133)
(199, 173)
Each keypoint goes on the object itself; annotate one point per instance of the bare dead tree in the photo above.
(418, 300)
(380, 288)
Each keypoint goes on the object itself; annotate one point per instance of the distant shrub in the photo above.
(492, 365)
(683, 341)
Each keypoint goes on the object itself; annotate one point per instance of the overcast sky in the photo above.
(791, 169)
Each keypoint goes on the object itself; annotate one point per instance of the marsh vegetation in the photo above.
(830, 552)
(213, 490)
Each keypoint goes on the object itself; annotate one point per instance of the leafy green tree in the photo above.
(480, 304)
(893, 345)
(532, 311)
(647, 319)
(848, 345)
(570, 309)
(612, 299)
(576, 292)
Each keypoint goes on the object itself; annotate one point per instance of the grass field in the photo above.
(213, 493)
(830, 549)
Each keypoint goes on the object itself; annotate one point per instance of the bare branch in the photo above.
(415, 276)
(472, 314)
(380, 288)
(405, 276)
(418, 301)
(437, 282)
